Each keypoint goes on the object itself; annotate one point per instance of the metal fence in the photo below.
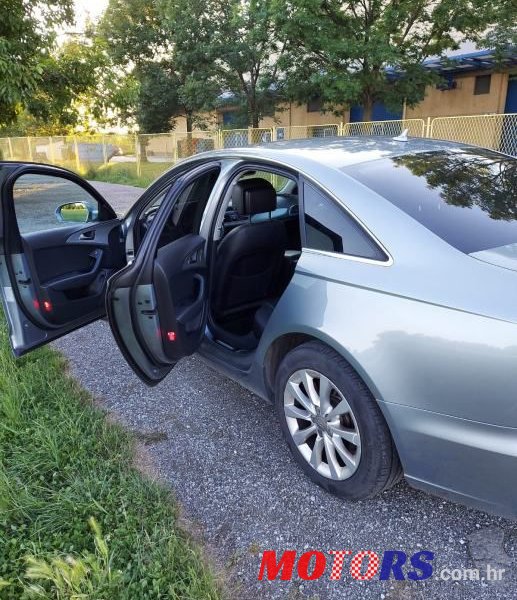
(147, 156)
(498, 132)
(415, 127)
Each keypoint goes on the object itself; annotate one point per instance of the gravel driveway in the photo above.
(220, 450)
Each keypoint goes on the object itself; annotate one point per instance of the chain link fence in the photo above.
(498, 132)
(143, 157)
(415, 127)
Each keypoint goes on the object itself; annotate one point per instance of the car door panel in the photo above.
(53, 280)
(157, 305)
(70, 272)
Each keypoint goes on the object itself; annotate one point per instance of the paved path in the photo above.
(121, 197)
(220, 450)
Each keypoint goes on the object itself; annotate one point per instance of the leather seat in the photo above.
(250, 256)
(262, 317)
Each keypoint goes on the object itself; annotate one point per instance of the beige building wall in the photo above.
(297, 114)
(462, 100)
(459, 101)
(210, 118)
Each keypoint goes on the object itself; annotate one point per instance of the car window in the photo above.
(330, 228)
(279, 182)
(188, 209)
(37, 197)
(468, 197)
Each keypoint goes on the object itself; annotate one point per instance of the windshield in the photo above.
(468, 197)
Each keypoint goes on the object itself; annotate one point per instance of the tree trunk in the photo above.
(253, 113)
(189, 118)
(367, 109)
(190, 150)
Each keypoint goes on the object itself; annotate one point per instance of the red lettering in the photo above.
(271, 568)
(337, 565)
(320, 563)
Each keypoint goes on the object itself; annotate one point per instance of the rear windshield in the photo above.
(468, 197)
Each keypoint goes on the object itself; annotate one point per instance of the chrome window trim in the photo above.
(368, 261)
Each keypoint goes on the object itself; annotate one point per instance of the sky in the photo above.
(85, 8)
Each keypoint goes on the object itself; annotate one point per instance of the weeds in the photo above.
(61, 464)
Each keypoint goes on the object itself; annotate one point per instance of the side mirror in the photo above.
(74, 212)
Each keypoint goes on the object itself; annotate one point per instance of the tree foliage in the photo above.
(350, 52)
(26, 35)
(139, 41)
(237, 45)
(69, 77)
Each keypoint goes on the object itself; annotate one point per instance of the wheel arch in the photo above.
(286, 342)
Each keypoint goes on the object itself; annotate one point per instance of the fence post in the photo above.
(137, 155)
(273, 134)
(51, 151)
(428, 128)
(11, 153)
(174, 148)
(76, 152)
(30, 148)
(104, 150)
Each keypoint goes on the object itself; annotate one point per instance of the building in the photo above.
(474, 83)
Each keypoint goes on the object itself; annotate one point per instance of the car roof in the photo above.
(337, 152)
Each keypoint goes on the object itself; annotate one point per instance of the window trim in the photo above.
(340, 205)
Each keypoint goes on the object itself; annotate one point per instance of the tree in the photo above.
(139, 40)
(230, 44)
(26, 33)
(158, 100)
(69, 77)
(502, 36)
(359, 52)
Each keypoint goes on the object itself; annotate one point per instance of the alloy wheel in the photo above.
(322, 424)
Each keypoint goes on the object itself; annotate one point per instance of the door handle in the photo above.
(88, 235)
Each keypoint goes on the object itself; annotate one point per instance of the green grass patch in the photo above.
(76, 519)
(126, 173)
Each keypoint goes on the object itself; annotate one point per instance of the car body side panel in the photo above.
(409, 352)
(457, 459)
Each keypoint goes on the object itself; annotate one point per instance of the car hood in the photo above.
(503, 256)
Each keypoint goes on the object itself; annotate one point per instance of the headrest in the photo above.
(253, 196)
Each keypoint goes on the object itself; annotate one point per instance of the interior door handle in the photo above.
(88, 235)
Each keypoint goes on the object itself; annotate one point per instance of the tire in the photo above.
(362, 460)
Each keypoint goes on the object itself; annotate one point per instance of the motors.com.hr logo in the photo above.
(362, 565)
(365, 565)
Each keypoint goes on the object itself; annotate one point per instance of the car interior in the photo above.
(256, 247)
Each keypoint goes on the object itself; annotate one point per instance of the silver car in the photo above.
(366, 286)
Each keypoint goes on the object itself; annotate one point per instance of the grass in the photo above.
(76, 519)
(126, 173)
